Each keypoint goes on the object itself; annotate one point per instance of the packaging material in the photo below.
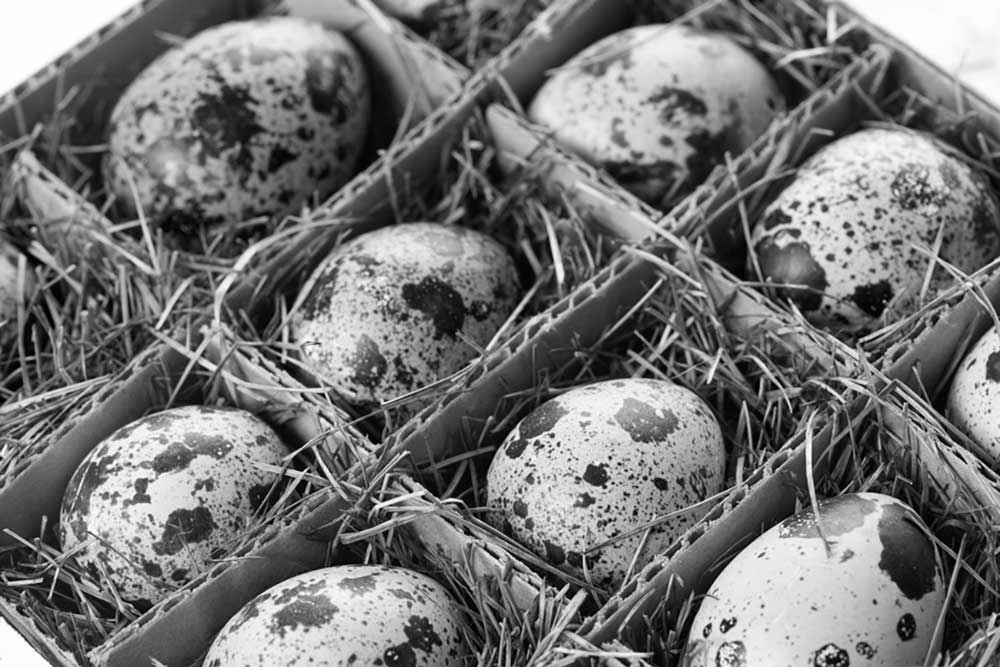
(792, 396)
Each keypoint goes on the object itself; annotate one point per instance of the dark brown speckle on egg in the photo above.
(907, 556)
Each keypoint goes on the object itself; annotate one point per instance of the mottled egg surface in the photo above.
(244, 119)
(343, 616)
(600, 460)
(398, 308)
(868, 594)
(974, 396)
(152, 503)
(9, 293)
(848, 229)
(658, 106)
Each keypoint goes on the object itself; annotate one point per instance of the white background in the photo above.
(958, 34)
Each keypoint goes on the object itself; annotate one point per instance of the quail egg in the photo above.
(398, 308)
(345, 615)
(844, 237)
(152, 503)
(247, 118)
(599, 461)
(862, 585)
(658, 106)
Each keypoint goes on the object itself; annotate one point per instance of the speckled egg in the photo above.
(658, 106)
(244, 119)
(846, 231)
(869, 594)
(974, 397)
(342, 616)
(599, 461)
(10, 257)
(153, 503)
(398, 308)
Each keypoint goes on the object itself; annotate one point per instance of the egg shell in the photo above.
(973, 402)
(244, 119)
(386, 313)
(345, 615)
(658, 106)
(869, 594)
(10, 257)
(153, 502)
(848, 227)
(600, 460)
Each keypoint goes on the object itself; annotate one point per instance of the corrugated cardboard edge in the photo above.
(25, 630)
(920, 73)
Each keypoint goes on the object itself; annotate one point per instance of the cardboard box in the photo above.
(550, 342)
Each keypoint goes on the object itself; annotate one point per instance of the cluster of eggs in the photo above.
(253, 118)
